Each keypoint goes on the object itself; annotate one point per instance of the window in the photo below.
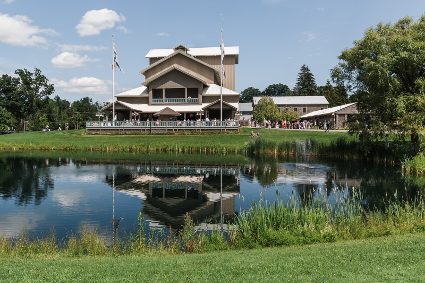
(304, 110)
(295, 109)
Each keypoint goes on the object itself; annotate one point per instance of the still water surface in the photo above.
(62, 191)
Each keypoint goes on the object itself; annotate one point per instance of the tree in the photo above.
(335, 95)
(5, 119)
(277, 90)
(385, 74)
(248, 94)
(86, 108)
(291, 116)
(306, 84)
(32, 86)
(266, 109)
(10, 97)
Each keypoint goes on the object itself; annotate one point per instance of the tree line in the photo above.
(25, 104)
(336, 93)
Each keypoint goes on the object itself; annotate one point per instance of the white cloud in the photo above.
(309, 36)
(291, 84)
(94, 21)
(71, 60)
(124, 29)
(17, 30)
(76, 48)
(12, 74)
(320, 9)
(86, 85)
(162, 34)
(8, 1)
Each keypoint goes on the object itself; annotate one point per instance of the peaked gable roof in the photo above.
(169, 69)
(224, 102)
(176, 52)
(167, 111)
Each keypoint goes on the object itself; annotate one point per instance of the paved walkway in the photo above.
(312, 130)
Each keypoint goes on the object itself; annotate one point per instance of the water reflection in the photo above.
(55, 190)
(25, 181)
(170, 190)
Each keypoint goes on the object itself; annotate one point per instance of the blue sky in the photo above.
(71, 42)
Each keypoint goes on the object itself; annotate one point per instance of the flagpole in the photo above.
(113, 82)
(221, 81)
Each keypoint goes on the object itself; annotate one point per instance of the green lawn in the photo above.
(74, 139)
(389, 259)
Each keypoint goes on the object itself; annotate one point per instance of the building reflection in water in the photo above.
(170, 190)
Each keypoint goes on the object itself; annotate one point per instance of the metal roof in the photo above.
(204, 51)
(294, 100)
(139, 91)
(214, 89)
(327, 110)
(245, 106)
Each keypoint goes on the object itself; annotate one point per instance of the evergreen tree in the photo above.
(306, 84)
(336, 96)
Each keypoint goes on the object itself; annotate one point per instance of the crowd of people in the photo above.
(290, 125)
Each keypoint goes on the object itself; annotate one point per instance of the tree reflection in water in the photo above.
(26, 180)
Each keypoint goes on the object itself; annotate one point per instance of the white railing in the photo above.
(163, 124)
(175, 100)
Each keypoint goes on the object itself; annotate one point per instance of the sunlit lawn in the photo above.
(388, 259)
(74, 139)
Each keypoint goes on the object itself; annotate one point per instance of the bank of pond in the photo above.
(127, 203)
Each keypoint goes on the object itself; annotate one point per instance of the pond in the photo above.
(41, 191)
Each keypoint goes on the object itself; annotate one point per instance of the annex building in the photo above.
(182, 84)
(300, 104)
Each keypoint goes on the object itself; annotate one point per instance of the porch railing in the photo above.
(163, 124)
(174, 100)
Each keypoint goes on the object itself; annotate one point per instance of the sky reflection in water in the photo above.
(63, 193)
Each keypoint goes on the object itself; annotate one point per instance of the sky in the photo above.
(71, 42)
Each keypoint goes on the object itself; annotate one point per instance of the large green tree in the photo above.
(306, 84)
(266, 109)
(248, 94)
(10, 97)
(385, 72)
(277, 90)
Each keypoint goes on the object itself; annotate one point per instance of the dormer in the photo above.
(181, 48)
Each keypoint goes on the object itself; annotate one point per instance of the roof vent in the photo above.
(182, 48)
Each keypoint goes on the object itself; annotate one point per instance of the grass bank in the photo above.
(389, 259)
(205, 143)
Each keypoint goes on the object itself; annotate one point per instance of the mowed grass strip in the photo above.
(387, 259)
(76, 140)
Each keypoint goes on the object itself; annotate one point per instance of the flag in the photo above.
(115, 64)
(222, 57)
